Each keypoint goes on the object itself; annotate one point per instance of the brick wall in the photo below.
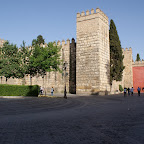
(138, 77)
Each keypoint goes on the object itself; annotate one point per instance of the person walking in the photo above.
(128, 91)
(52, 90)
(41, 90)
(125, 92)
(132, 89)
(138, 89)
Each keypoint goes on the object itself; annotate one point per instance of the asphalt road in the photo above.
(110, 119)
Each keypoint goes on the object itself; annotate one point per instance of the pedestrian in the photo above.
(132, 89)
(52, 90)
(128, 91)
(41, 90)
(138, 89)
(125, 92)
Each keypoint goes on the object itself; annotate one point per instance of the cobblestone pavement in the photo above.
(77, 120)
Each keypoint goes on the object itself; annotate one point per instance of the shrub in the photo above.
(120, 88)
(18, 90)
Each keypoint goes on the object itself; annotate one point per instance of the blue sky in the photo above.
(56, 20)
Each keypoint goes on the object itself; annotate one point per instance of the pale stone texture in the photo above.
(93, 54)
(2, 41)
(127, 73)
(138, 64)
(127, 80)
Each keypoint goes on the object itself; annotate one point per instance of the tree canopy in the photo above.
(44, 59)
(138, 57)
(10, 61)
(116, 56)
(38, 41)
(17, 63)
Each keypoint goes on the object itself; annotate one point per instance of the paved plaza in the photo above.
(110, 119)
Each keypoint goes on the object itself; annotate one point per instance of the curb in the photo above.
(13, 96)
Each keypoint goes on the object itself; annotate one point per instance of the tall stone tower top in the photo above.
(91, 15)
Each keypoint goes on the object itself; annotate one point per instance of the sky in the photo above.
(56, 20)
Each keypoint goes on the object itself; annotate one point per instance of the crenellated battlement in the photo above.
(64, 43)
(127, 49)
(91, 14)
(102, 13)
(138, 63)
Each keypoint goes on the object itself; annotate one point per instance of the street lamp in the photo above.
(64, 68)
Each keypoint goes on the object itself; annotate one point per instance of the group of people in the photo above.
(130, 91)
(42, 91)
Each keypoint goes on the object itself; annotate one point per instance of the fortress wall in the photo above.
(127, 73)
(90, 52)
(55, 79)
(138, 75)
(104, 51)
(138, 64)
(127, 79)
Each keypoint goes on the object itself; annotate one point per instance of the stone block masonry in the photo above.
(127, 73)
(93, 53)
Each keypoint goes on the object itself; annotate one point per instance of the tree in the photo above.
(138, 57)
(10, 62)
(24, 54)
(38, 41)
(116, 57)
(34, 42)
(44, 60)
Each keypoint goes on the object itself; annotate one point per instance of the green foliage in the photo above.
(120, 88)
(116, 57)
(44, 59)
(18, 90)
(16, 62)
(24, 54)
(138, 57)
(38, 41)
(10, 61)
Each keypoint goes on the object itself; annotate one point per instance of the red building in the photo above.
(138, 77)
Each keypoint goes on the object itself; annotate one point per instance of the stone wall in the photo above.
(55, 79)
(127, 73)
(93, 54)
(127, 79)
(138, 75)
(115, 87)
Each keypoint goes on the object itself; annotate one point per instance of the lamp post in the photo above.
(64, 68)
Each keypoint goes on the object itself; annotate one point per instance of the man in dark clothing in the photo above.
(138, 89)
(128, 91)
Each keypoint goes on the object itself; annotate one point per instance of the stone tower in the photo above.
(92, 52)
(127, 73)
